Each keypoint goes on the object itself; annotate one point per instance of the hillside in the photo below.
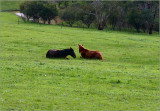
(10, 5)
(127, 80)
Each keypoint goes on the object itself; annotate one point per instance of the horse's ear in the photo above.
(82, 44)
(70, 47)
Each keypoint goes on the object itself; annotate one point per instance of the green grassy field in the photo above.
(127, 80)
(10, 5)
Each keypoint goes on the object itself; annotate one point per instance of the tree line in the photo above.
(140, 15)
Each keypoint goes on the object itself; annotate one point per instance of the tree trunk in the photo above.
(49, 21)
(137, 27)
(70, 25)
(59, 4)
(138, 30)
(113, 26)
(28, 19)
(34, 20)
(24, 19)
(55, 21)
(144, 30)
(150, 29)
(38, 20)
(88, 25)
(100, 27)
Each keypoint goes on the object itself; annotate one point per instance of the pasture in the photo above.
(10, 5)
(127, 80)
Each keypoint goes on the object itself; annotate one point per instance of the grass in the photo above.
(10, 5)
(127, 80)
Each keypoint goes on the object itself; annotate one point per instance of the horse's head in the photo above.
(81, 47)
(72, 53)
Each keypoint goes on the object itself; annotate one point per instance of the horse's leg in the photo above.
(67, 58)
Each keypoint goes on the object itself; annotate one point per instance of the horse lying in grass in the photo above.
(60, 53)
(89, 54)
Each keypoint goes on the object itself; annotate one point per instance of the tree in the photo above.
(68, 15)
(149, 20)
(80, 9)
(102, 12)
(121, 20)
(150, 11)
(31, 9)
(35, 8)
(135, 19)
(25, 9)
(113, 18)
(39, 9)
(87, 18)
(48, 12)
(156, 24)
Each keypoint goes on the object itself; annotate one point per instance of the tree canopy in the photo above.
(140, 15)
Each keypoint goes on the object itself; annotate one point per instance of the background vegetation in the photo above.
(111, 15)
(141, 15)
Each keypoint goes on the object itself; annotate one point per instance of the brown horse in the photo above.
(89, 54)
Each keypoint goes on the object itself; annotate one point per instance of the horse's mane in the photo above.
(82, 49)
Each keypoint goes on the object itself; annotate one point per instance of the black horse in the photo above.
(60, 53)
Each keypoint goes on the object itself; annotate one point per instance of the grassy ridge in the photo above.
(10, 5)
(127, 80)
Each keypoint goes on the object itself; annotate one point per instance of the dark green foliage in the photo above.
(68, 15)
(39, 9)
(156, 24)
(31, 9)
(147, 19)
(140, 15)
(78, 12)
(113, 18)
(24, 8)
(149, 13)
(135, 19)
(48, 12)
(87, 18)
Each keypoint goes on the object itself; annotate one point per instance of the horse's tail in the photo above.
(102, 57)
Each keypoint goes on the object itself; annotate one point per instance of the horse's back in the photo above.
(51, 53)
(94, 54)
(98, 55)
(90, 54)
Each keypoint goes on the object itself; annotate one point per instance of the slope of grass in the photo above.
(10, 5)
(127, 80)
